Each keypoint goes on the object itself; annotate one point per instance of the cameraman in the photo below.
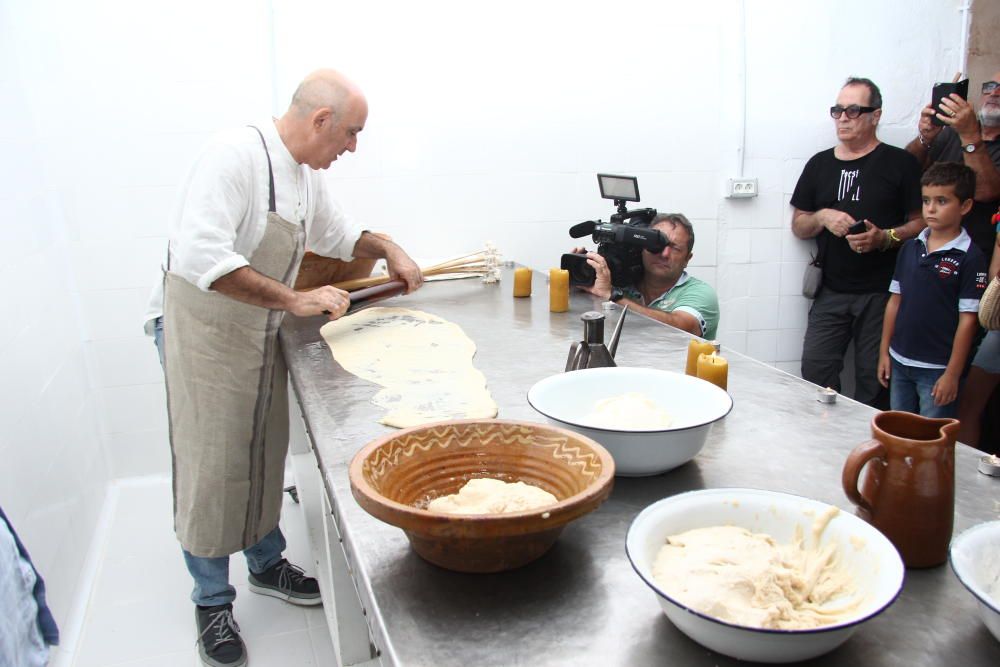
(665, 292)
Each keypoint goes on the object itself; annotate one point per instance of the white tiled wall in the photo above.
(103, 106)
(55, 469)
(484, 125)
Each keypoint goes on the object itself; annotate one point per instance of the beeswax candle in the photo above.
(522, 281)
(696, 347)
(713, 368)
(558, 290)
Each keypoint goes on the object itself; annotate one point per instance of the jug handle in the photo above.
(856, 460)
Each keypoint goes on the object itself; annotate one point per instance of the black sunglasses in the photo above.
(852, 111)
(990, 86)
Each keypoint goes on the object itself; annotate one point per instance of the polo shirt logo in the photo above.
(981, 280)
(947, 267)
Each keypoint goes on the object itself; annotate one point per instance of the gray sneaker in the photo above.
(219, 642)
(286, 582)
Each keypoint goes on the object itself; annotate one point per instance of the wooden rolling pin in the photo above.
(363, 298)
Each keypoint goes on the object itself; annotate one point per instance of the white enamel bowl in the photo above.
(694, 405)
(867, 555)
(975, 558)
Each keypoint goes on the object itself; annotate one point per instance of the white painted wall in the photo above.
(54, 469)
(488, 122)
(103, 105)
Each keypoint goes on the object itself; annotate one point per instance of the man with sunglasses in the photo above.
(975, 140)
(875, 188)
(666, 292)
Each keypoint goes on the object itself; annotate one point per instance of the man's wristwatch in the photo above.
(894, 239)
(971, 148)
(616, 294)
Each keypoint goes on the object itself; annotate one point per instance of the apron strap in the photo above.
(270, 173)
(270, 184)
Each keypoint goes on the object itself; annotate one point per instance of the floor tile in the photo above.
(291, 648)
(322, 646)
(140, 614)
(179, 659)
(143, 521)
(315, 616)
(159, 574)
(260, 615)
(128, 632)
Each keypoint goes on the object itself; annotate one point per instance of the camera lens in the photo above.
(580, 273)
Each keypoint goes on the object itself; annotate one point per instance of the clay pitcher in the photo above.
(909, 488)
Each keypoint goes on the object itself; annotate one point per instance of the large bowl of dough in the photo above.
(650, 420)
(975, 559)
(760, 575)
(481, 495)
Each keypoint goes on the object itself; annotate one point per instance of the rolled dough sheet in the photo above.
(422, 362)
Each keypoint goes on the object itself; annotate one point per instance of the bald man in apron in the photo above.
(252, 201)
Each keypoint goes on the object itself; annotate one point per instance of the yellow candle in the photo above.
(522, 281)
(713, 368)
(696, 347)
(558, 290)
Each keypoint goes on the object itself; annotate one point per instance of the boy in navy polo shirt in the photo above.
(931, 318)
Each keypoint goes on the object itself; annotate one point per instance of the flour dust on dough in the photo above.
(422, 362)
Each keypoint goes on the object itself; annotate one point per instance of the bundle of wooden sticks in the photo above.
(474, 264)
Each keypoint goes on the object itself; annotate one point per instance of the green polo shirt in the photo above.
(689, 295)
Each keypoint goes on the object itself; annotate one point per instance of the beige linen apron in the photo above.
(227, 401)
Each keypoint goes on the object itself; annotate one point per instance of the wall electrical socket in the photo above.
(741, 188)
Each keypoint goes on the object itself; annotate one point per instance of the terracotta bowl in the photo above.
(395, 476)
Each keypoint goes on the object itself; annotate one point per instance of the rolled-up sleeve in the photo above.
(333, 233)
(214, 206)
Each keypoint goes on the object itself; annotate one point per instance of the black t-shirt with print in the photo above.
(885, 195)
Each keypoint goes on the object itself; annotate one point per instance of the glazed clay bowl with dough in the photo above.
(395, 476)
(569, 399)
(975, 559)
(866, 556)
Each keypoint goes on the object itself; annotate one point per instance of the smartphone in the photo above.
(944, 90)
(858, 227)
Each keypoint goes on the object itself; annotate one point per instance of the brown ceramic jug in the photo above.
(909, 488)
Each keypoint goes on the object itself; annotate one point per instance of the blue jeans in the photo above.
(211, 575)
(910, 390)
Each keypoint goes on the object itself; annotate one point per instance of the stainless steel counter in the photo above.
(582, 604)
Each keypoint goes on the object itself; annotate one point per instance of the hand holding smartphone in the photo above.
(944, 90)
(858, 227)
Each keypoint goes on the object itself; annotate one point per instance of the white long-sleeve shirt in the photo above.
(221, 211)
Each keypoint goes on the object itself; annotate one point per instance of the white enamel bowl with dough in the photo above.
(866, 555)
(975, 558)
(568, 399)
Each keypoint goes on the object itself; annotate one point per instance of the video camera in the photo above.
(620, 241)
